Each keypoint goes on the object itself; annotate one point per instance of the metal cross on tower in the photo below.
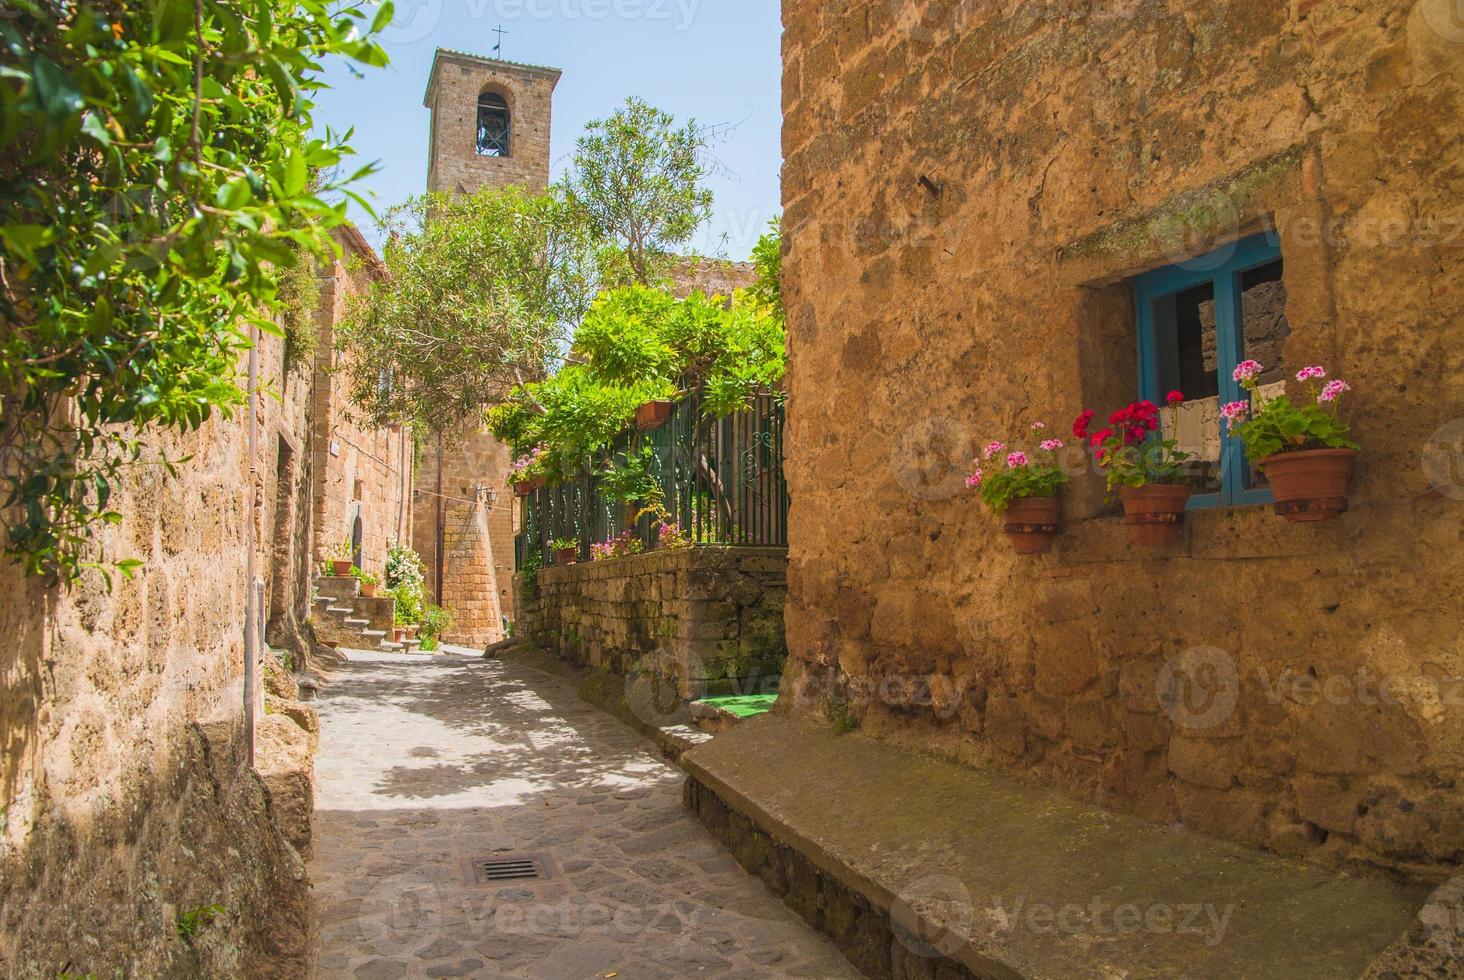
(498, 48)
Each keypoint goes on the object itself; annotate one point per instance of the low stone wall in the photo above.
(867, 935)
(709, 617)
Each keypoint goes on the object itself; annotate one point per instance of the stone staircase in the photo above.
(343, 617)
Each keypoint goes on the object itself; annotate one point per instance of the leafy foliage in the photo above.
(435, 621)
(482, 292)
(631, 479)
(299, 295)
(1130, 453)
(767, 258)
(191, 923)
(636, 178)
(155, 182)
(637, 345)
(1034, 474)
(1281, 425)
(406, 583)
(569, 417)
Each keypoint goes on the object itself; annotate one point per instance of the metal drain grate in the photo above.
(509, 868)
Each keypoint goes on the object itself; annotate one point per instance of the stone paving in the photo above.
(426, 764)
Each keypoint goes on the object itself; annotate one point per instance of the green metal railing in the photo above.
(721, 481)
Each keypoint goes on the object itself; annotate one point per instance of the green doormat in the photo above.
(743, 705)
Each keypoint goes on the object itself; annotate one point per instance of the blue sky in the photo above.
(715, 60)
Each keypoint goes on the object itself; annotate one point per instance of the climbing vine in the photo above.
(155, 194)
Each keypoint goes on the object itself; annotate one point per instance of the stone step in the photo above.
(374, 634)
(972, 871)
(340, 610)
(359, 624)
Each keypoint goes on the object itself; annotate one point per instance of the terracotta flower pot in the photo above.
(412, 632)
(369, 591)
(1310, 485)
(1154, 513)
(566, 556)
(526, 487)
(1031, 524)
(340, 569)
(652, 415)
(398, 634)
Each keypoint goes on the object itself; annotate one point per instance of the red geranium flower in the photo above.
(1080, 425)
(1101, 436)
(1175, 397)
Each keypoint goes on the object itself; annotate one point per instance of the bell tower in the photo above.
(490, 128)
(490, 123)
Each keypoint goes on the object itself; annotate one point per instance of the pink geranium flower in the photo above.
(1333, 390)
(1248, 370)
(974, 480)
(1038, 426)
(1016, 459)
(1052, 445)
(1307, 373)
(992, 448)
(1235, 411)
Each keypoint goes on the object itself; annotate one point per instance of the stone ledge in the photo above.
(903, 832)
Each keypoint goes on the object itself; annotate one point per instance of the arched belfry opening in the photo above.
(495, 126)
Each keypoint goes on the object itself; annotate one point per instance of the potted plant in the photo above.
(368, 581)
(341, 558)
(566, 551)
(621, 545)
(653, 414)
(632, 482)
(435, 621)
(1305, 450)
(1024, 491)
(525, 473)
(1151, 474)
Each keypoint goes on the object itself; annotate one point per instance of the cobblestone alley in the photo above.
(428, 767)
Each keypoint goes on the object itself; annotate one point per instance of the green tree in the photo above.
(155, 183)
(637, 344)
(767, 259)
(637, 176)
(482, 292)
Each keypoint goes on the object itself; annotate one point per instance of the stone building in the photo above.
(490, 128)
(362, 477)
(127, 795)
(981, 200)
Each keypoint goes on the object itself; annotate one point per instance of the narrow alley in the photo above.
(428, 767)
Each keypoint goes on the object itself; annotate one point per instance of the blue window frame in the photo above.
(1155, 296)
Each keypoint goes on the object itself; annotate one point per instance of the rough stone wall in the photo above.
(357, 470)
(126, 800)
(714, 277)
(710, 618)
(457, 80)
(476, 573)
(1068, 147)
